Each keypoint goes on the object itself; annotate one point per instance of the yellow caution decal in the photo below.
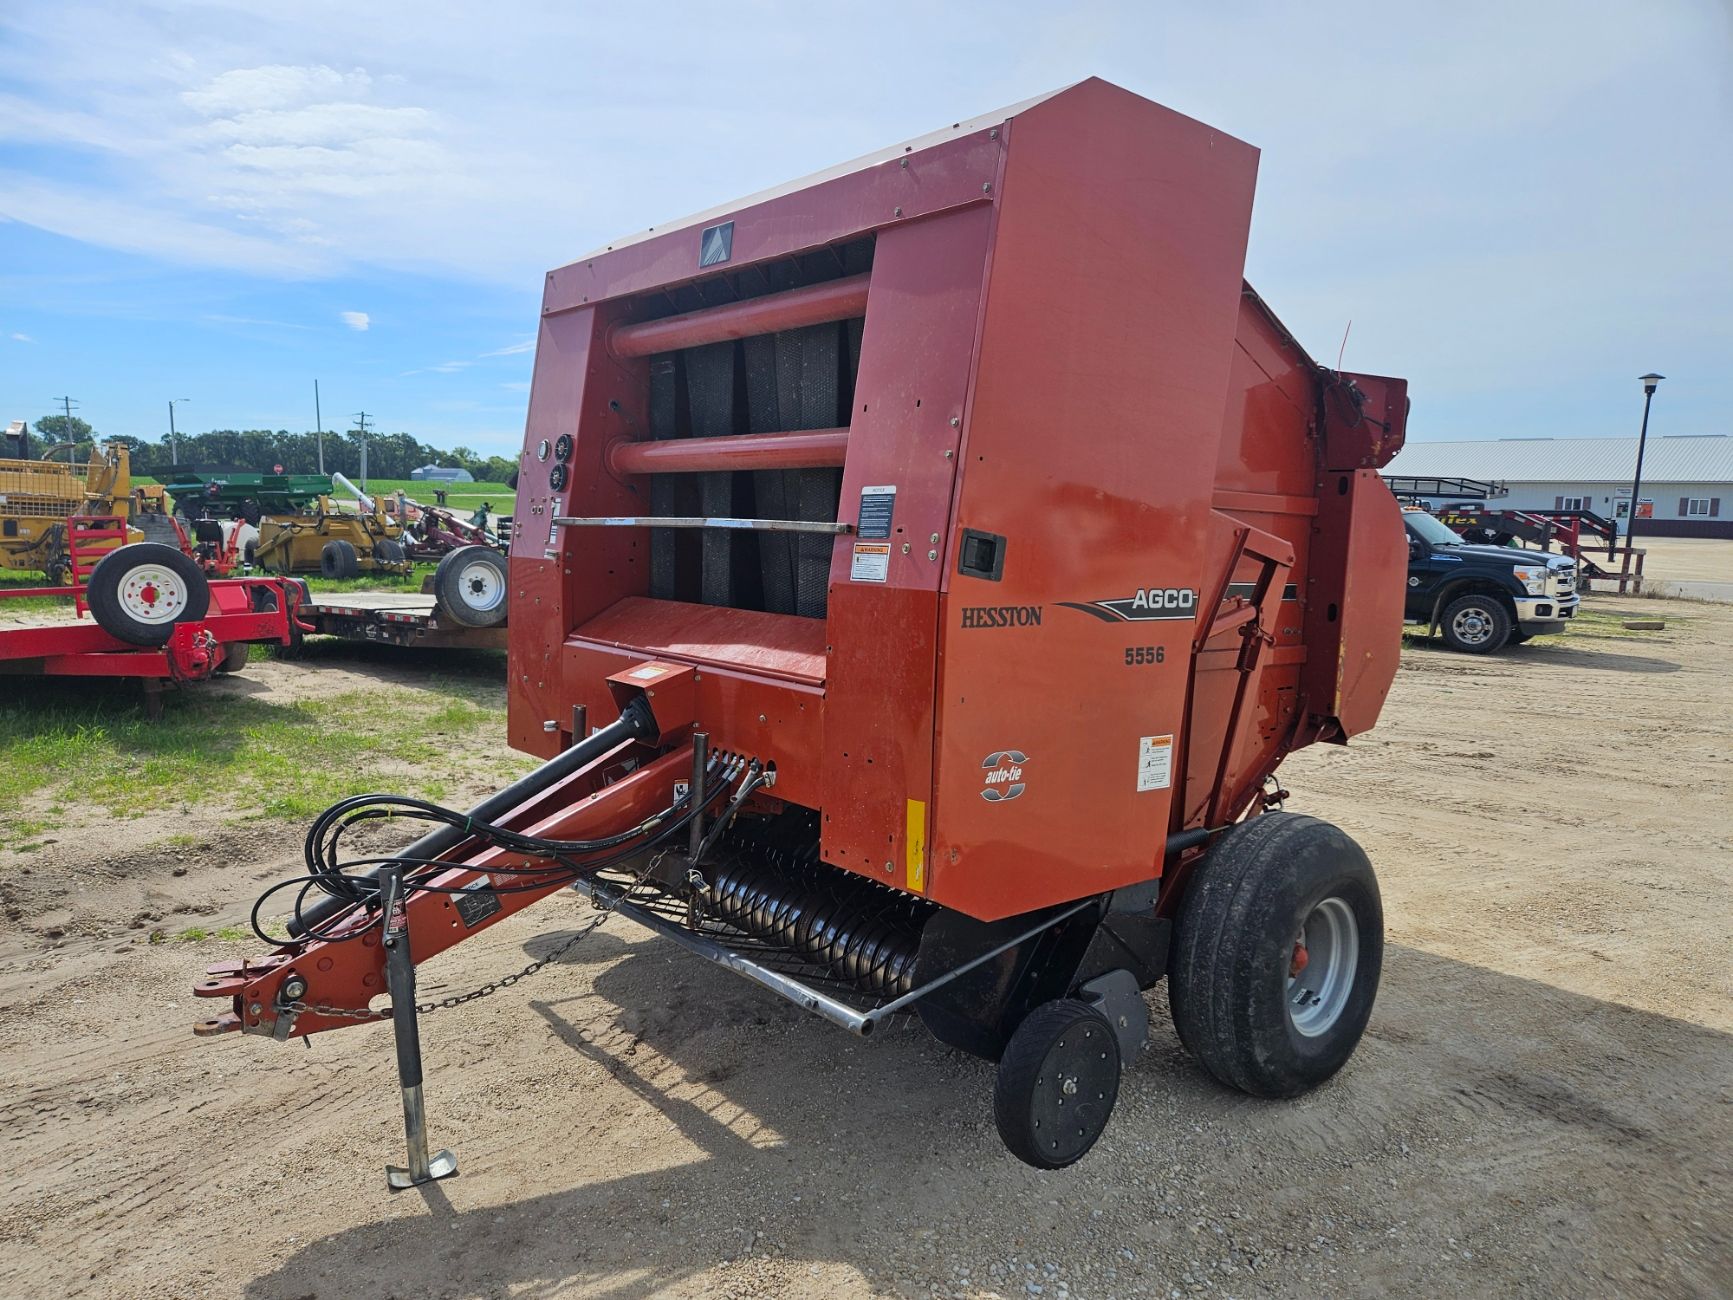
(916, 839)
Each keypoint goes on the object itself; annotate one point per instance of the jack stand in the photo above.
(400, 974)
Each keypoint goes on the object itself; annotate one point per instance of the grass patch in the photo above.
(89, 744)
(17, 607)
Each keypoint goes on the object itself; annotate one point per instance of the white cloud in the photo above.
(356, 320)
(513, 349)
(444, 137)
(517, 386)
(22, 338)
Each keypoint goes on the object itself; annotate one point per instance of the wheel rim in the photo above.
(481, 585)
(153, 594)
(1075, 1091)
(1472, 626)
(1321, 971)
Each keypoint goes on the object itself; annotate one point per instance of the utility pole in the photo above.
(318, 426)
(71, 451)
(361, 428)
(174, 446)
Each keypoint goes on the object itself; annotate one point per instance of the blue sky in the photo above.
(1521, 207)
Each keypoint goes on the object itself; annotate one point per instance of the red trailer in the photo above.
(155, 617)
(952, 546)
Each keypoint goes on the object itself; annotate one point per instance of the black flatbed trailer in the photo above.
(395, 618)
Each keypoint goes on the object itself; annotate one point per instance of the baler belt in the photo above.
(665, 489)
(815, 490)
(710, 372)
(770, 486)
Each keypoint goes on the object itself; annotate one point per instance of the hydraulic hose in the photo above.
(636, 722)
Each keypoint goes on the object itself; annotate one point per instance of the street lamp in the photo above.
(1649, 383)
(174, 447)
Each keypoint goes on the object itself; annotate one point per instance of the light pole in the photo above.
(1649, 383)
(174, 446)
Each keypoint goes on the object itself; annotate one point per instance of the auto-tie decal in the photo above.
(1004, 775)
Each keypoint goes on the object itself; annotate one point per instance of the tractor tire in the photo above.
(1277, 951)
(470, 585)
(1057, 1083)
(1476, 624)
(338, 560)
(389, 550)
(137, 593)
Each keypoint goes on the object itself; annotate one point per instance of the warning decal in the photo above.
(871, 562)
(1154, 763)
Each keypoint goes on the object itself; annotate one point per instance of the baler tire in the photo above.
(1498, 619)
(1029, 1083)
(1232, 984)
(337, 560)
(471, 585)
(130, 613)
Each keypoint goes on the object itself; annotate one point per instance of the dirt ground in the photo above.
(1543, 1105)
(1697, 568)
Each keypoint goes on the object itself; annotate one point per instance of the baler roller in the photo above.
(801, 449)
(814, 304)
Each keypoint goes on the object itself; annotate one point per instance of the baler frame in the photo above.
(855, 482)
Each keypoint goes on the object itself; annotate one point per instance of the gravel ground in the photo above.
(1543, 1105)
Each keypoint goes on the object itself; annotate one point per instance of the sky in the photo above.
(1520, 206)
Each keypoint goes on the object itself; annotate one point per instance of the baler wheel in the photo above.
(1057, 1083)
(1276, 955)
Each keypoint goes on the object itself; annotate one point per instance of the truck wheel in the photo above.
(137, 593)
(1057, 1083)
(1277, 950)
(470, 585)
(1476, 624)
(338, 560)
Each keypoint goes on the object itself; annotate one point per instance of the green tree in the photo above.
(59, 428)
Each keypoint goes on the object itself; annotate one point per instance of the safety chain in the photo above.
(603, 910)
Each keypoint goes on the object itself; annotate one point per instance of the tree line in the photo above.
(389, 455)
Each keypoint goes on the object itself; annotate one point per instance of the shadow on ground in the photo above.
(1497, 1106)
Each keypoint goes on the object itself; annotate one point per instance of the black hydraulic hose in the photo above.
(636, 722)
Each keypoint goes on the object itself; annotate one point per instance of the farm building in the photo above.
(1687, 480)
(441, 474)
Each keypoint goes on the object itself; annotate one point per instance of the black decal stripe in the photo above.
(1102, 614)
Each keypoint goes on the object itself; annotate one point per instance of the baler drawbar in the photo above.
(958, 545)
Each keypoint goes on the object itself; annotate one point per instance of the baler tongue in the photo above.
(597, 806)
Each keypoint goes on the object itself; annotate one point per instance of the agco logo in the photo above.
(1146, 605)
(1004, 775)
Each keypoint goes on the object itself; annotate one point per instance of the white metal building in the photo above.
(1687, 480)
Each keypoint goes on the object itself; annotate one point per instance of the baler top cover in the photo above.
(981, 495)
